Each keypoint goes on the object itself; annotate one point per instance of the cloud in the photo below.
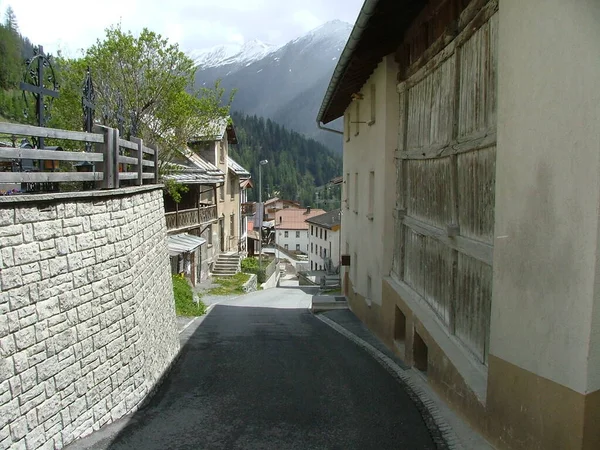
(71, 25)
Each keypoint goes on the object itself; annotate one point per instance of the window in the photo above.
(355, 206)
(321, 236)
(297, 235)
(232, 225)
(320, 251)
(209, 237)
(324, 253)
(221, 152)
(373, 104)
(222, 192)
(371, 194)
(347, 122)
(325, 234)
(297, 247)
(357, 118)
(311, 266)
(347, 191)
(286, 247)
(286, 234)
(232, 187)
(311, 247)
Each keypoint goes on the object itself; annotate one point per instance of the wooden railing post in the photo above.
(155, 148)
(140, 167)
(106, 148)
(115, 159)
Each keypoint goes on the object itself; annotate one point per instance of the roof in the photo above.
(195, 170)
(277, 199)
(328, 220)
(183, 243)
(214, 130)
(378, 31)
(295, 218)
(236, 168)
(336, 180)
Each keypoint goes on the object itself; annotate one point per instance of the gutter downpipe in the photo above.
(361, 22)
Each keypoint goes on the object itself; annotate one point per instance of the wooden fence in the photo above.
(113, 159)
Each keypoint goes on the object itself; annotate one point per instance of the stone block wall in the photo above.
(87, 320)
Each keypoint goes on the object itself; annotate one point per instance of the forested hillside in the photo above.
(14, 49)
(296, 164)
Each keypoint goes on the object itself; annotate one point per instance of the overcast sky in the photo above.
(70, 25)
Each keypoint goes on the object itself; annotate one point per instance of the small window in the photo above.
(321, 233)
(324, 253)
(297, 235)
(209, 237)
(312, 229)
(286, 247)
(347, 120)
(221, 152)
(325, 234)
(311, 247)
(371, 194)
(286, 234)
(297, 247)
(232, 188)
(373, 103)
(222, 192)
(357, 130)
(356, 192)
(311, 265)
(347, 191)
(369, 294)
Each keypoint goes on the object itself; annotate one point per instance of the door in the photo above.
(222, 234)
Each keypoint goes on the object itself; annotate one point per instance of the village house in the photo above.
(469, 205)
(291, 228)
(217, 182)
(276, 204)
(324, 240)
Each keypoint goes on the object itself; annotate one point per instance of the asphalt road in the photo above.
(261, 372)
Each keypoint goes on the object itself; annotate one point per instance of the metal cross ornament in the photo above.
(120, 116)
(87, 105)
(40, 81)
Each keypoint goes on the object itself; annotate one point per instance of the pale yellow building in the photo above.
(470, 205)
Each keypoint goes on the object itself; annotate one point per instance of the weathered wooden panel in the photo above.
(428, 196)
(476, 189)
(473, 300)
(437, 275)
(430, 108)
(428, 270)
(478, 80)
(398, 254)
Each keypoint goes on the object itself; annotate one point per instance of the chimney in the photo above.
(308, 210)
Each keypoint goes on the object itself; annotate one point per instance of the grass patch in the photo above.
(184, 299)
(230, 285)
(332, 292)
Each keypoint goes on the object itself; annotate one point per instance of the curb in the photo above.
(441, 432)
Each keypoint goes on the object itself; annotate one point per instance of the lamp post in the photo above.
(262, 210)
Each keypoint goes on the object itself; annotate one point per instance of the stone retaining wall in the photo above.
(87, 320)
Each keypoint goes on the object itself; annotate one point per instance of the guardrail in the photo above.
(113, 159)
(189, 218)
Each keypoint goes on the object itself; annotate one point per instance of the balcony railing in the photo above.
(191, 218)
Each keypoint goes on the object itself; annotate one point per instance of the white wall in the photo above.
(332, 244)
(372, 150)
(292, 240)
(545, 292)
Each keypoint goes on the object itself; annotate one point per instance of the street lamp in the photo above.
(262, 210)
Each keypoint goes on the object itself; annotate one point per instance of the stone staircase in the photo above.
(228, 264)
(330, 281)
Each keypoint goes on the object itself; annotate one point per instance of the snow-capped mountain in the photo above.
(284, 83)
(231, 54)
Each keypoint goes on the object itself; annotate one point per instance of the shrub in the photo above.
(184, 298)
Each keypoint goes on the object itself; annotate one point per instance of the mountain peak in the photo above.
(221, 55)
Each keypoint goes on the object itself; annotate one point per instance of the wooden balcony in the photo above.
(191, 218)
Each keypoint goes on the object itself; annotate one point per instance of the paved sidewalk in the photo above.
(456, 433)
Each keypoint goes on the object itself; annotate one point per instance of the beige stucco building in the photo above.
(470, 205)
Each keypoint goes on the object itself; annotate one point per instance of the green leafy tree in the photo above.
(152, 77)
